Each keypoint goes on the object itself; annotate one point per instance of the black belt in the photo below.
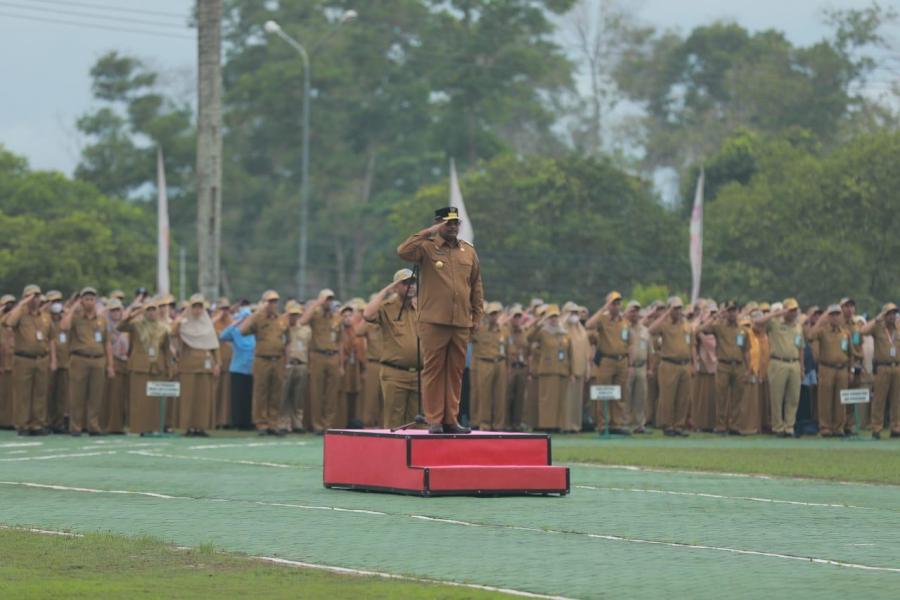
(86, 355)
(676, 361)
(731, 362)
(398, 367)
(614, 356)
(261, 357)
(887, 363)
(493, 360)
(519, 365)
(326, 352)
(374, 360)
(833, 366)
(638, 364)
(31, 356)
(296, 361)
(782, 359)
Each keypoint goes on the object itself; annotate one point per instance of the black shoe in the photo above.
(299, 430)
(436, 428)
(876, 435)
(75, 434)
(262, 432)
(96, 433)
(280, 432)
(683, 434)
(895, 434)
(200, 433)
(670, 433)
(454, 428)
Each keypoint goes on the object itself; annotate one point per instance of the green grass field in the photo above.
(648, 516)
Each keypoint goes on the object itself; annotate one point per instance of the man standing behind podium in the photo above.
(451, 299)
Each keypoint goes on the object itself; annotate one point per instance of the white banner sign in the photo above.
(854, 396)
(163, 389)
(606, 392)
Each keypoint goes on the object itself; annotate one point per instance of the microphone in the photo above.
(419, 420)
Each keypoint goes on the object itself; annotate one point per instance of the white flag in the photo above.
(162, 228)
(697, 238)
(465, 230)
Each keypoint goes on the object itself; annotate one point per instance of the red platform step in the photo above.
(416, 462)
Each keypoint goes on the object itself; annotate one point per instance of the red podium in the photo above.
(416, 462)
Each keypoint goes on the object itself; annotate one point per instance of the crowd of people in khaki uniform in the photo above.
(82, 365)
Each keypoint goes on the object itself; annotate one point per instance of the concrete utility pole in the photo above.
(209, 145)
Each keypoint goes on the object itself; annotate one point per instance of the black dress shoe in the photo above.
(454, 428)
(670, 433)
(280, 432)
(200, 433)
(436, 428)
(75, 434)
(876, 435)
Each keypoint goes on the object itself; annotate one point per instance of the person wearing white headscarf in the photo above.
(198, 366)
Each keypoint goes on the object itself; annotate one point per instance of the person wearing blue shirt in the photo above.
(241, 370)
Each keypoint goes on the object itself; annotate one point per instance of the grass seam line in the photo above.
(55, 456)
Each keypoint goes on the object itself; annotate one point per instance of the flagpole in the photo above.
(696, 240)
(162, 227)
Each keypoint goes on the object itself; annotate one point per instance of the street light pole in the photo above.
(274, 28)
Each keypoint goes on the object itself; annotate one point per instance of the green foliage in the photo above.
(64, 234)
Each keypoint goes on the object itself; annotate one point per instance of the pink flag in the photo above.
(697, 238)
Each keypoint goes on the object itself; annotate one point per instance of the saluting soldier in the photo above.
(148, 360)
(58, 387)
(324, 361)
(7, 302)
(393, 310)
(268, 362)
(852, 324)
(353, 364)
(581, 367)
(834, 356)
(31, 362)
(613, 337)
(114, 415)
(731, 366)
(639, 350)
(489, 348)
(221, 320)
(517, 383)
(552, 364)
(373, 402)
(451, 307)
(296, 380)
(786, 345)
(674, 368)
(886, 365)
(198, 366)
(91, 362)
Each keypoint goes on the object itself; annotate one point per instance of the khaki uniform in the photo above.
(398, 376)
(639, 350)
(296, 379)
(148, 360)
(731, 342)
(451, 299)
(324, 369)
(553, 367)
(195, 372)
(372, 400)
(703, 399)
(30, 370)
(87, 371)
(6, 379)
(859, 380)
(114, 414)
(58, 389)
(353, 352)
(581, 360)
(613, 337)
(517, 381)
(786, 343)
(489, 351)
(223, 382)
(268, 368)
(834, 364)
(751, 415)
(886, 365)
(674, 375)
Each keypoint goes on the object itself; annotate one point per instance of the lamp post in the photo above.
(272, 27)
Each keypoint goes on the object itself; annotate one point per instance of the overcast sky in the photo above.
(45, 59)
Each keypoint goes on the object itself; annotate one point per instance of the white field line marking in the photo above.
(719, 497)
(598, 536)
(20, 444)
(362, 573)
(330, 568)
(55, 456)
(17, 451)
(220, 460)
(103, 447)
(250, 445)
(726, 474)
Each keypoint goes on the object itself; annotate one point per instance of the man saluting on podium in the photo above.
(451, 304)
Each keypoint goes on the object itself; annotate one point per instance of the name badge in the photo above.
(893, 352)
(300, 346)
(521, 357)
(62, 338)
(798, 341)
(39, 335)
(561, 355)
(856, 338)
(502, 349)
(740, 340)
(687, 339)
(844, 345)
(207, 364)
(98, 337)
(151, 352)
(626, 333)
(334, 336)
(352, 360)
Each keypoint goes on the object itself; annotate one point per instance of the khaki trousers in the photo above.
(652, 397)
(30, 380)
(832, 414)
(58, 399)
(572, 410)
(887, 393)
(703, 402)
(114, 414)
(443, 363)
(532, 395)
(490, 384)
(223, 398)
(474, 412)
(296, 389)
(324, 389)
(88, 384)
(784, 394)
(400, 390)
(729, 392)
(551, 395)
(198, 401)
(373, 400)
(637, 396)
(143, 411)
(674, 395)
(516, 388)
(6, 400)
(268, 385)
(613, 372)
